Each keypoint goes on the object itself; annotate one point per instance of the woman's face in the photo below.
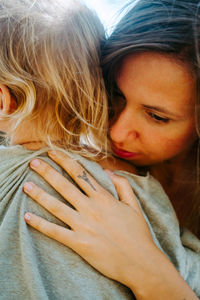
(156, 120)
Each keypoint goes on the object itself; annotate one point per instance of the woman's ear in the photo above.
(7, 103)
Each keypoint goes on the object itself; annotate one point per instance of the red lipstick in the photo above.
(124, 154)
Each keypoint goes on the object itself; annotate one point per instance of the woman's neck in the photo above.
(178, 178)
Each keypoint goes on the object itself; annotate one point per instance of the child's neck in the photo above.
(33, 145)
(27, 136)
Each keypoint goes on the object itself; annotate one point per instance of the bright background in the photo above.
(107, 10)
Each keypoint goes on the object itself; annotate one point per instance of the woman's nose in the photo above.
(124, 129)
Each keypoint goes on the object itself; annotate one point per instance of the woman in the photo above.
(151, 68)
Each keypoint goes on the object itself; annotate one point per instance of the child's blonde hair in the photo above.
(49, 60)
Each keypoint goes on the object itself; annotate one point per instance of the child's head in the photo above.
(49, 65)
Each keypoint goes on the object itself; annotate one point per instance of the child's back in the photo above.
(31, 265)
(51, 92)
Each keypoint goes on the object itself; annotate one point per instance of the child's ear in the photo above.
(7, 103)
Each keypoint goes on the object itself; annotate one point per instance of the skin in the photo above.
(8, 105)
(157, 122)
(108, 233)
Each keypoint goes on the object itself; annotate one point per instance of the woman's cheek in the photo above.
(178, 143)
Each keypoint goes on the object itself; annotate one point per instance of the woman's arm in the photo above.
(110, 235)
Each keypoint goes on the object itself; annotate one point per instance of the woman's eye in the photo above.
(158, 118)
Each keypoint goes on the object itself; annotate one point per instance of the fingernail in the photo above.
(109, 173)
(35, 163)
(28, 186)
(52, 153)
(27, 217)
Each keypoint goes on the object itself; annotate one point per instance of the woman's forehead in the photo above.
(157, 78)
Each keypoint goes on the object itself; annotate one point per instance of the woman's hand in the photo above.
(110, 235)
(103, 228)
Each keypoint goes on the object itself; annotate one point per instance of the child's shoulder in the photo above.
(17, 155)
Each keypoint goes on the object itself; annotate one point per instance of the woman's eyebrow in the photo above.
(163, 110)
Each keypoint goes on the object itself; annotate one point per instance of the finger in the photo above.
(87, 183)
(60, 210)
(61, 184)
(54, 231)
(124, 190)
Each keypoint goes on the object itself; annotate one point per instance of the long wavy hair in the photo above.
(49, 60)
(168, 27)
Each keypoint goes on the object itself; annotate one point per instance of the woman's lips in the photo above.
(123, 153)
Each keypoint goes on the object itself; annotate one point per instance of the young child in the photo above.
(44, 80)
(51, 94)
